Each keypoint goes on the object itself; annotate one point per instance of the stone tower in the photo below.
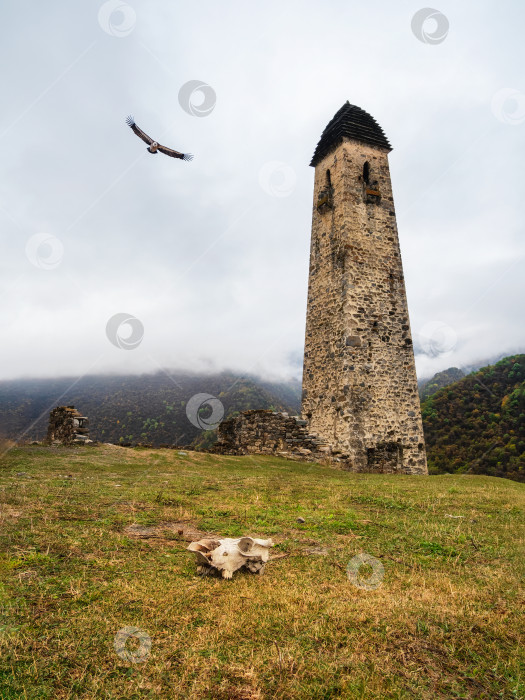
(359, 380)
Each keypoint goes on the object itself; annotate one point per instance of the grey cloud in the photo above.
(212, 264)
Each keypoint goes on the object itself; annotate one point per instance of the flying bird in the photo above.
(153, 146)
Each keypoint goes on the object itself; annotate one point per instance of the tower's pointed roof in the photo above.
(355, 123)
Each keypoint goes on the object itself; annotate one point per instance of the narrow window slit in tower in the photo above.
(325, 199)
(372, 194)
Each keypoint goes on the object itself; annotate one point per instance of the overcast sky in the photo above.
(211, 256)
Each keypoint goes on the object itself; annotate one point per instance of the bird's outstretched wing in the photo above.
(131, 123)
(175, 154)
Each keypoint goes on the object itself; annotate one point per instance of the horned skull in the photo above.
(227, 555)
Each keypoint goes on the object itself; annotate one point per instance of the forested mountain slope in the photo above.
(478, 423)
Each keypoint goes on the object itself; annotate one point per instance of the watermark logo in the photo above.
(198, 413)
(371, 582)
(141, 653)
(117, 18)
(44, 251)
(116, 331)
(508, 105)
(277, 179)
(197, 98)
(437, 339)
(430, 26)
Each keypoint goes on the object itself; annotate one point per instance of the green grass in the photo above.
(446, 621)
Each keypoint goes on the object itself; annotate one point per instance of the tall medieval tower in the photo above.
(359, 380)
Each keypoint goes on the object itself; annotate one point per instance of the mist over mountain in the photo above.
(439, 380)
(473, 423)
(130, 409)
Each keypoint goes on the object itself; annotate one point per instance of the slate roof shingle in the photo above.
(354, 123)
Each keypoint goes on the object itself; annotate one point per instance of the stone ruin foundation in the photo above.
(269, 432)
(272, 433)
(67, 426)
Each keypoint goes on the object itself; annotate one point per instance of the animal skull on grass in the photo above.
(227, 555)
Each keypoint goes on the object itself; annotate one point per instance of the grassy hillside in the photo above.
(478, 423)
(90, 544)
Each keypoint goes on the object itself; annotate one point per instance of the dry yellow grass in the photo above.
(445, 622)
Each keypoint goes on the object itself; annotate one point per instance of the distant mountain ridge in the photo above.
(466, 369)
(475, 424)
(439, 380)
(131, 409)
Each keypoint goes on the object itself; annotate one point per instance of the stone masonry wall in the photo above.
(67, 426)
(268, 432)
(359, 381)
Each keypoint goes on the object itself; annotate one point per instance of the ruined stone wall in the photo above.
(359, 382)
(67, 426)
(269, 432)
